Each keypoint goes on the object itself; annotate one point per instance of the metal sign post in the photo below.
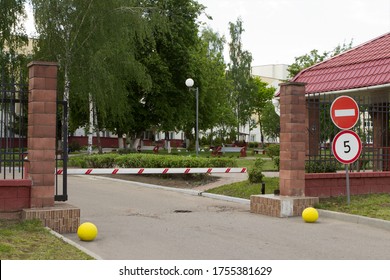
(347, 180)
(346, 148)
(346, 145)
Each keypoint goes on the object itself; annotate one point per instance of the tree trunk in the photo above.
(90, 125)
(98, 139)
(120, 141)
(261, 134)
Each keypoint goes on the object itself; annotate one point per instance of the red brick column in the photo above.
(42, 108)
(293, 138)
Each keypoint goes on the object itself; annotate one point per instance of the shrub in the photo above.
(276, 161)
(101, 161)
(273, 150)
(253, 144)
(321, 166)
(74, 146)
(78, 161)
(255, 174)
(124, 151)
(147, 161)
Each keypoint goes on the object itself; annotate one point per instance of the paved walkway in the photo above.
(140, 221)
(229, 178)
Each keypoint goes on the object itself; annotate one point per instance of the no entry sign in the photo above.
(344, 112)
(347, 146)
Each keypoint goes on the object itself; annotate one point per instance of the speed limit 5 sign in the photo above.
(347, 146)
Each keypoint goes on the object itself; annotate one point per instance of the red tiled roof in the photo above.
(363, 66)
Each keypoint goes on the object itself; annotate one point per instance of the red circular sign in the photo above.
(346, 146)
(344, 112)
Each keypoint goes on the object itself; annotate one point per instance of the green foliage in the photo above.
(369, 205)
(270, 121)
(261, 98)
(321, 166)
(255, 174)
(239, 72)
(273, 150)
(314, 57)
(245, 189)
(147, 161)
(253, 144)
(74, 146)
(12, 33)
(276, 161)
(29, 240)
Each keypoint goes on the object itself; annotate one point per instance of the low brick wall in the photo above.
(280, 206)
(15, 195)
(334, 184)
(62, 217)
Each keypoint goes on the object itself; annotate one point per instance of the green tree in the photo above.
(262, 97)
(209, 68)
(12, 32)
(239, 72)
(314, 57)
(270, 121)
(12, 38)
(169, 59)
(95, 44)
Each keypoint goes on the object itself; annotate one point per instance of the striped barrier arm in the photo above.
(110, 171)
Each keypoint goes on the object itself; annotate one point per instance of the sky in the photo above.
(277, 31)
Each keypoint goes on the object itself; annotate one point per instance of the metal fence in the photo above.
(13, 126)
(61, 179)
(372, 128)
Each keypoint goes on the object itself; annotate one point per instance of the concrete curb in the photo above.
(378, 223)
(74, 244)
(226, 198)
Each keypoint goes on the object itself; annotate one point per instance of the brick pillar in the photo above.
(42, 108)
(292, 139)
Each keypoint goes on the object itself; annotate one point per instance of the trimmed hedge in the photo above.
(147, 161)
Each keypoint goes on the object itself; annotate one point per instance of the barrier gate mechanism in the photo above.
(110, 171)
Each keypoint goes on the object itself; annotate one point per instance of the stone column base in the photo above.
(280, 206)
(62, 217)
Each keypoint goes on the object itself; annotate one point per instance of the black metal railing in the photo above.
(372, 127)
(61, 187)
(13, 126)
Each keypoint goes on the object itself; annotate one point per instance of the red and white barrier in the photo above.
(107, 171)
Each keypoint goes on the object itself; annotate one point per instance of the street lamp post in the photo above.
(190, 84)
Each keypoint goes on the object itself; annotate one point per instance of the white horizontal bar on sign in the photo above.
(344, 113)
(105, 171)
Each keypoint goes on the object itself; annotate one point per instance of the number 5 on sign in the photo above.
(347, 146)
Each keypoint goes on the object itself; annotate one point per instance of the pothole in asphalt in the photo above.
(182, 211)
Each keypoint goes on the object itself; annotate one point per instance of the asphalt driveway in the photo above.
(142, 222)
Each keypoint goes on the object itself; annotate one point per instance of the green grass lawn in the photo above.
(245, 189)
(373, 205)
(29, 240)
(370, 205)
